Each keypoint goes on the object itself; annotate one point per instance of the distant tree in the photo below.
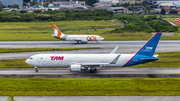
(37, 11)
(13, 6)
(33, 3)
(1, 6)
(23, 11)
(145, 3)
(26, 0)
(173, 12)
(90, 2)
(163, 11)
(130, 8)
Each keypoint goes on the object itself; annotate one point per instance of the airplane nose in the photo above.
(102, 38)
(27, 61)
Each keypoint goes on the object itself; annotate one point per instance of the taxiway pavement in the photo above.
(105, 47)
(93, 98)
(101, 71)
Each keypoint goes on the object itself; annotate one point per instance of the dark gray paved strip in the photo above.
(106, 47)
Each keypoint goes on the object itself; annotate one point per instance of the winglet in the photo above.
(57, 32)
(115, 60)
(114, 51)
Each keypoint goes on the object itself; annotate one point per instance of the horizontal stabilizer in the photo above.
(155, 55)
(149, 59)
(114, 51)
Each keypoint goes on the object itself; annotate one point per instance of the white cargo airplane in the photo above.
(79, 38)
(80, 62)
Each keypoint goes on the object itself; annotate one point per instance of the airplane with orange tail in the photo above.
(79, 38)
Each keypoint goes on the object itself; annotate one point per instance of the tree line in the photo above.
(140, 23)
(56, 15)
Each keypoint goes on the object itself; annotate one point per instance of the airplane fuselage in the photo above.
(83, 37)
(65, 60)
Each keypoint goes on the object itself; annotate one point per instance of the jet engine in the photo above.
(77, 68)
(83, 41)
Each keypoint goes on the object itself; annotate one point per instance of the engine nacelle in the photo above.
(77, 68)
(83, 41)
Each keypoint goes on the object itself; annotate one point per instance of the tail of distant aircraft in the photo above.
(57, 33)
(146, 53)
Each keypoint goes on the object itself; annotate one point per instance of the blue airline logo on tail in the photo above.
(148, 49)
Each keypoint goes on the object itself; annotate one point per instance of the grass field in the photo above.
(90, 86)
(172, 20)
(42, 31)
(170, 59)
(12, 50)
(39, 31)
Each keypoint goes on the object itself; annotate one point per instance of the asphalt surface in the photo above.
(115, 71)
(93, 98)
(105, 47)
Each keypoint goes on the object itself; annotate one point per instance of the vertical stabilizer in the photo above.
(57, 33)
(149, 48)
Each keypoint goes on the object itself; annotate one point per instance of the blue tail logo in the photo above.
(149, 48)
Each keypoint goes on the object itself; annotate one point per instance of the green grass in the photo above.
(12, 50)
(90, 87)
(172, 20)
(168, 59)
(42, 31)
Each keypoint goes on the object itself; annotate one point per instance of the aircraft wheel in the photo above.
(36, 69)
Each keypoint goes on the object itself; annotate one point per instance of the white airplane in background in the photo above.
(80, 62)
(79, 38)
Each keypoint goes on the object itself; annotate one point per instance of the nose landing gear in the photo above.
(36, 69)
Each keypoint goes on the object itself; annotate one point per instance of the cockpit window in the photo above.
(30, 58)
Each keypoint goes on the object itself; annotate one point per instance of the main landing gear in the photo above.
(36, 69)
(93, 70)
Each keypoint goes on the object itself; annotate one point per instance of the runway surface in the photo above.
(115, 71)
(105, 47)
(93, 98)
(72, 44)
